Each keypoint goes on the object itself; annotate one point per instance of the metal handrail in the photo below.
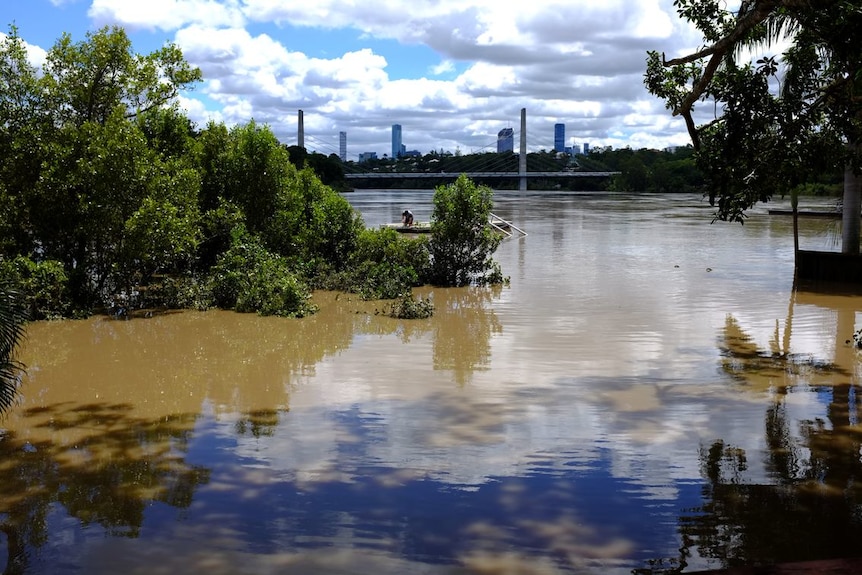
(493, 223)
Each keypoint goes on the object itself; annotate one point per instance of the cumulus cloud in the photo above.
(578, 62)
(443, 67)
(167, 14)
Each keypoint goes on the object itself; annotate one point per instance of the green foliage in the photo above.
(12, 318)
(295, 214)
(213, 166)
(168, 132)
(249, 278)
(217, 224)
(384, 265)
(159, 237)
(86, 81)
(406, 307)
(634, 176)
(23, 125)
(186, 291)
(76, 168)
(255, 171)
(462, 244)
(782, 121)
(328, 168)
(41, 287)
(314, 222)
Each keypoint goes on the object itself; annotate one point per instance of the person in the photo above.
(407, 218)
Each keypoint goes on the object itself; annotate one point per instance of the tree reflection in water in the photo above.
(462, 338)
(462, 326)
(107, 476)
(811, 509)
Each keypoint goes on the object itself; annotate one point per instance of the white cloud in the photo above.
(166, 14)
(443, 67)
(578, 62)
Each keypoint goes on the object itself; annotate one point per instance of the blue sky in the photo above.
(451, 72)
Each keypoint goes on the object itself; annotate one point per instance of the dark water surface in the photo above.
(650, 394)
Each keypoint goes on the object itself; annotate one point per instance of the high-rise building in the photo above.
(586, 148)
(506, 140)
(342, 146)
(396, 141)
(559, 137)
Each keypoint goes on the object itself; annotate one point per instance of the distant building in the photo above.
(365, 156)
(397, 147)
(506, 140)
(342, 146)
(586, 148)
(559, 137)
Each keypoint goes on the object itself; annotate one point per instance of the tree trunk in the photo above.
(852, 210)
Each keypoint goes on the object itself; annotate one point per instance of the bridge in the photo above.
(453, 175)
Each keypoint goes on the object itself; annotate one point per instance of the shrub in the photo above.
(249, 278)
(384, 265)
(461, 242)
(313, 222)
(42, 286)
(177, 292)
(408, 308)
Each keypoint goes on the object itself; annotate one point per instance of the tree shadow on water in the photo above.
(102, 464)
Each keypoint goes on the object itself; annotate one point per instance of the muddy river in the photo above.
(651, 393)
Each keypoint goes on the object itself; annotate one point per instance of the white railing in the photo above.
(505, 227)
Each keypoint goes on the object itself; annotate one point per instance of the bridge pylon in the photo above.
(522, 158)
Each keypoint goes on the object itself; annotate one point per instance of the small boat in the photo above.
(414, 228)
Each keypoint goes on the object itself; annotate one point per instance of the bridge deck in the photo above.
(453, 175)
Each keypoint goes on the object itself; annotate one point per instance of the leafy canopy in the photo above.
(462, 244)
(777, 121)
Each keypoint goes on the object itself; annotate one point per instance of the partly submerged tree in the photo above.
(83, 176)
(12, 319)
(780, 120)
(462, 244)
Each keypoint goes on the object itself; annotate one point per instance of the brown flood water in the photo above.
(649, 395)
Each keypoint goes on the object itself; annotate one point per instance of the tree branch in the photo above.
(744, 24)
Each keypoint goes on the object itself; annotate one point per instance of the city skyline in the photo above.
(452, 73)
(504, 141)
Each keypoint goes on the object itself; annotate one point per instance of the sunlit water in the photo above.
(649, 393)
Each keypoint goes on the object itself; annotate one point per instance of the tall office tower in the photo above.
(586, 148)
(559, 137)
(342, 146)
(396, 141)
(506, 140)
